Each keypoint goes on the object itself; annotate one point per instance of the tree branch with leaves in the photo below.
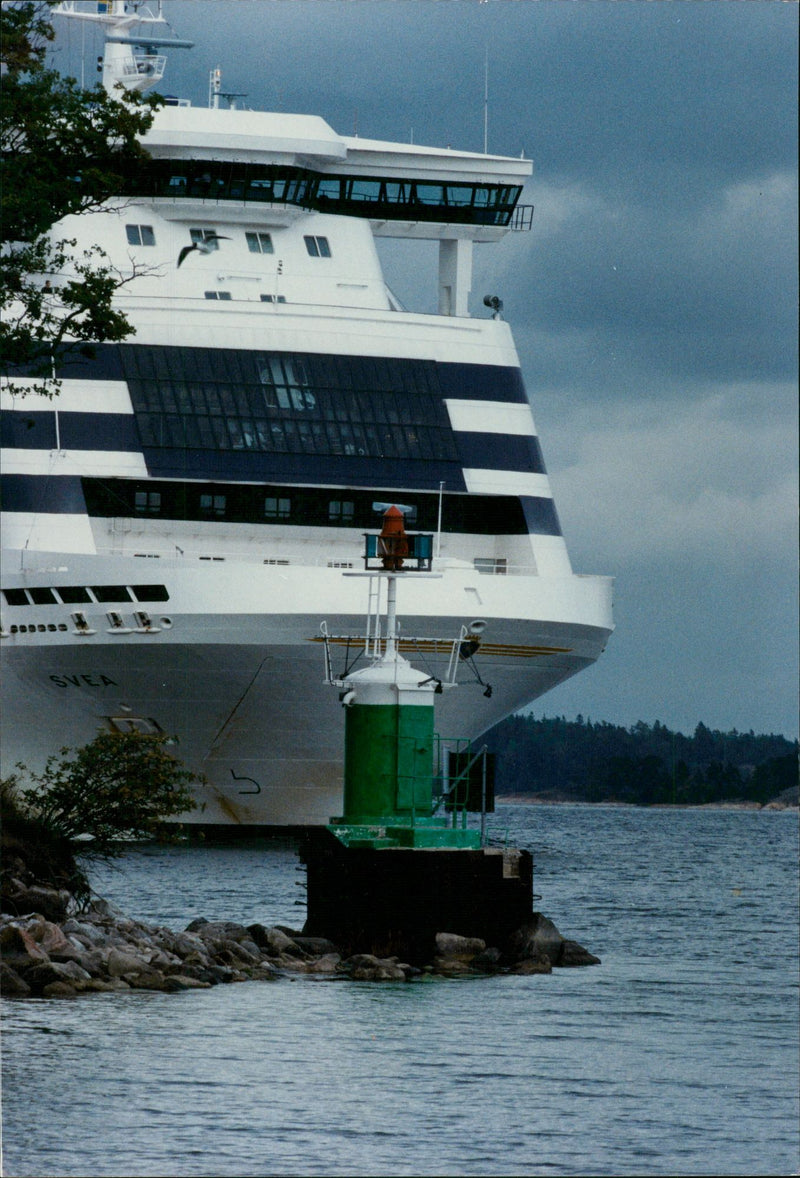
(65, 151)
(119, 786)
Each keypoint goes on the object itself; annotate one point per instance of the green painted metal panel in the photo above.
(388, 760)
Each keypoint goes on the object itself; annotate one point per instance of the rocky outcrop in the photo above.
(56, 943)
(99, 949)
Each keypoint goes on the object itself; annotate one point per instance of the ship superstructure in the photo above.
(177, 520)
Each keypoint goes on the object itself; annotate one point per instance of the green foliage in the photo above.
(645, 764)
(32, 852)
(65, 151)
(120, 785)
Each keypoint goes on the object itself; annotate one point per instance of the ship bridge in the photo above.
(297, 162)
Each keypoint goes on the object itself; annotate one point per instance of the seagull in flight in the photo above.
(205, 246)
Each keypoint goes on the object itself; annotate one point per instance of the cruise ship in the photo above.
(178, 521)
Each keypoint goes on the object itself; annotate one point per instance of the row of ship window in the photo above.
(340, 511)
(359, 196)
(85, 594)
(300, 506)
(491, 566)
(316, 245)
(200, 432)
(143, 625)
(230, 368)
(292, 405)
(225, 296)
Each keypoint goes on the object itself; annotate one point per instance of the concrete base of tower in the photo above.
(392, 901)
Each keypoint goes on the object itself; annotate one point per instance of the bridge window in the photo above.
(341, 511)
(148, 502)
(356, 196)
(150, 592)
(140, 234)
(317, 247)
(276, 508)
(108, 593)
(213, 504)
(73, 594)
(43, 597)
(259, 243)
(16, 596)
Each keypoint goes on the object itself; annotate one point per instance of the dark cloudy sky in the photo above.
(654, 302)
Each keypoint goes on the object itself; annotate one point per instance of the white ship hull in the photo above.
(239, 683)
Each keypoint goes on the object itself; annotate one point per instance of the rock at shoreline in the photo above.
(101, 950)
(540, 942)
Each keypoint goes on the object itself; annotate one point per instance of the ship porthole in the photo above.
(165, 622)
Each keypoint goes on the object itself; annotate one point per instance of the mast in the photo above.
(129, 57)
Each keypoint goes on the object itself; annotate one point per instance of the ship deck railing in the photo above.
(219, 555)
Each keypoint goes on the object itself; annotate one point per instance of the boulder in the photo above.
(288, 963)
(149, 979)
(39, 976)
(19, 949)
(263, 973)
(488, 961)
(95, 962)
(326, 963)
(537, 940)
(315, 946)
(59, 990)
(11, 984)
(452, 945)
(222, 973)
(85, 932)
(219, 930)
(121, 963)
(180, 981)
(51, 903)
(363, 967)
(104, 909)
(196, 924)
(183, 945)
(166, 962)
(199, 973)
(73, 973)
(274, 942)
(532, 965)
(56, 945)
(575, 954)
(237, 952)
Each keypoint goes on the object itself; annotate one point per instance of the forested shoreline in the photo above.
(646, 764)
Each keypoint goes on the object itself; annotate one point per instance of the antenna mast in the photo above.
(486, 102)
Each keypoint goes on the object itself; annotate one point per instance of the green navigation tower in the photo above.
(393, 775)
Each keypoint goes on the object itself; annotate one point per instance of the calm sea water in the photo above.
(678, 1055)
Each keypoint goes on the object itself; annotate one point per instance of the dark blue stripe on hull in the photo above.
(36, 430)
(309, 469)
(540, 516)
(500, 452)
(478, 514)
(484, 382)
(481, 382)
(276, 417)
(56, 494)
